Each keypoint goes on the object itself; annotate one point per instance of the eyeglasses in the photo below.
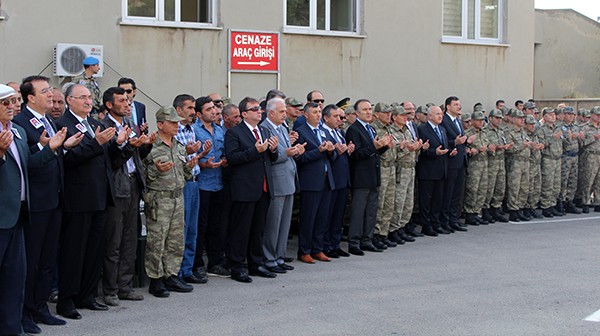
(10, 101)
(46, 90)
(318, 101)
(82, 97)
(254, 109)
(129, 90)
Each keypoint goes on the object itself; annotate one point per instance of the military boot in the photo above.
(585, 208)
(560, 207)
(522, 216)
(514, 216)
(534, 213)
(571, 208)
(548, 213)
(497, 215)
(485, 215)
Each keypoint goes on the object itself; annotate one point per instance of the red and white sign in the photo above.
(253, 51)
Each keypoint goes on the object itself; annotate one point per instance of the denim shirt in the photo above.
(210, 178)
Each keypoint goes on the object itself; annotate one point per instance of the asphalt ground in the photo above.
(529, 278)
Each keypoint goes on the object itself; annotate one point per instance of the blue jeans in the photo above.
(191, 203)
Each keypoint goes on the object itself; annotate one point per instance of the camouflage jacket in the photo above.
(173, 179)
(390, 155)
(553, 147)
(518, 137)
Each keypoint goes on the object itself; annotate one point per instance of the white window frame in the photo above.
(312, 28)
(159, 19)
(464, 39)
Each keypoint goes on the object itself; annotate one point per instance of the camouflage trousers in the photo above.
(387, 193)
(517, 181)
(550, 181)
(404, 201)
(476, 185)
(579, 192)
(569, 172)
(165, 227)
(535, 185)
(590, 178)
(496, 174)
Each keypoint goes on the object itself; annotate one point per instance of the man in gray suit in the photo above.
(284, 176)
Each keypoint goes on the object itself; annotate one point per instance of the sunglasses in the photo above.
(218, 102)
(129, 90)
(254, 109)
(318, 101)
(10, 101)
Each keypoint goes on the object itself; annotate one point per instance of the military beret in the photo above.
(90, 60)
(383, 107)
(496, 113)
(167, 113)
(6, 91)
(529, 119)
(547, 110)
(477, 115)
(291, 101)
(516, 113)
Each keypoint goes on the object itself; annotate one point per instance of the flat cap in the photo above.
(6, 91)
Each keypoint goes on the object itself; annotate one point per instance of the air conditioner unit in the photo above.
(68, 58)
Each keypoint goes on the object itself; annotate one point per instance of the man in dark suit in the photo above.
(457, 165)
(89, 191)
(432, 170)
(15, 161)
(248, 149)
(316, 183)
(46, 184)
(340, 168)
(365, 177)
(138, 110)
(411, 124)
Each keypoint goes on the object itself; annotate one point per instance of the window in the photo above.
(479, 21)
(172, 13)
(338, 17)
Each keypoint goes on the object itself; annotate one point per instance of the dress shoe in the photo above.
(30, 327)
(261, 271)
(470, 219)
(481, 220)
(332, 254)
(241, 276)
(200, 273)
(341, 253)
(175, 284)
(68, 311)
(370, 248)
(288, 259)
(306, 258)
(377, 244)
(394, 236)
(440, 231)
(356, 251)
(413, 233)
(389, 243)
(321, 257)
(429, 232)
(194, 279)
(286, 267)
(131, 296)
(94, 305)
(276, 269)
(458, 228)
(53, 298)
(220, 271)
(48, 319)
(447, 228)
(157, 288)
(111, 300)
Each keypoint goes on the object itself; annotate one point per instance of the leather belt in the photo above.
(168, 193)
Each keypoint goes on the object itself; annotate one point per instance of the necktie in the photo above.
(255, 131)
(282, 135)
(89, 128)
(458, 126)
(316, 131)
(439, 134)
(47, 126)
(371, 131)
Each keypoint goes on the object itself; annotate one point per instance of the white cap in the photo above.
(6, 91)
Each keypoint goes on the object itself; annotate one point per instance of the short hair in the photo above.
(518, 102)
(125, 80)
(272, 102)
(309, 105)
(275, 93)
(244, 103)
(228, 108)
(109, 95)
(309, 95)
(500, 101)
(327, 110)
(27, 86)
(200, 102)
(449, 101)
(362, 100)
(182, 98)
(70, 88)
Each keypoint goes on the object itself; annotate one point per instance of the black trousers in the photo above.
(244, 236)
(431, 194)
(453, 189)
(363, 216)
(337, 207)
(210, 229)
(80, 258)
(41, 244)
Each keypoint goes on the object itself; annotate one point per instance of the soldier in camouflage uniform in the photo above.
(571, 136)
(293, 109)
(406, 156)
(583, 119)
(496, 169)
(387, 190)
(591, 161)
(551, 137)
(91, 67)
(476, 181)
(535, 162)
(167, 171)
(517, 167)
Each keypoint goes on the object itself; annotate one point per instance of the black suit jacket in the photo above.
(88, 174)
(140, 112)
(452, 131)
(340, 165)
(432, 166)
(46, 182)
(248, 167)
(364, 161)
